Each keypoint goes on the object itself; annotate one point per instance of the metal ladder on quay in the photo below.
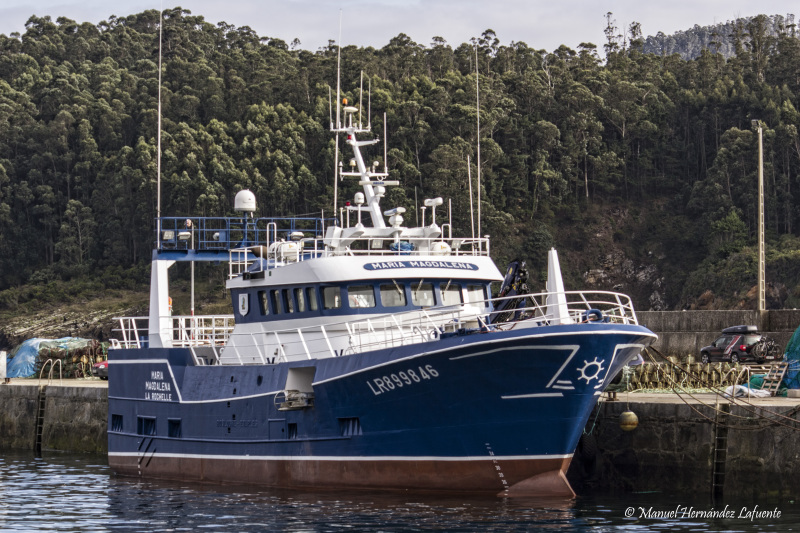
(719, 452)
(37, 446)
(42, 400)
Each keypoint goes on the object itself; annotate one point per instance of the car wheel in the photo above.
(704, 357)
(734, 357)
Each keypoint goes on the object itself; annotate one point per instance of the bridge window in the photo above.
(475, 294)
(311, 292)
(451, 294)
(263, 303)
(288, 303)
(393, 295)
(361, 296)
(332, 297)
(422, 294)
(301, 300)
(276, 301)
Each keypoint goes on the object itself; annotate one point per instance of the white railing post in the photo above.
(280, 346)
(327, 340)
(303, 340)
(255, 344)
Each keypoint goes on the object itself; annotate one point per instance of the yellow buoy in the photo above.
(628, 421)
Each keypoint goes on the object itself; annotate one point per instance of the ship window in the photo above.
(393, 295)
(475, 294)
(292, 430)
(451, 294)
(350, 426)
(301, 300)
(422, 294)
(145, 425)
(311, 292)
(276, 302)
(174, 428)
(288, 303)
(361, 296)
(332, 297)
(263, 303)
(116, 422)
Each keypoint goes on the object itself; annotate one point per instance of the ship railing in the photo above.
(225, 233)
(341, 338)
(253, 260)
(568, 307)
(201, 330)
(133, 332)
(186, 331)
(385, 331)
(427, 325)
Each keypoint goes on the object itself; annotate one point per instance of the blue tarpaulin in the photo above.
(22, 359)
(792, 356)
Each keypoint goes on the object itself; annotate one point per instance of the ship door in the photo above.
(277, 429)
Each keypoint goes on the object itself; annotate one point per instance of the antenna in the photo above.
(478, 106)
(385, 144)
(416, 204)
(339, 74)
(450, 213)
(338, 114)
(360, 98)
(471, 210)
(369, 103)
(158, 135)
(336, 175)
(330, 107)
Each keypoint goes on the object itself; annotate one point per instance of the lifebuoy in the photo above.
(593, 315)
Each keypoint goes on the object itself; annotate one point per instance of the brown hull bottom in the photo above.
(540, 477)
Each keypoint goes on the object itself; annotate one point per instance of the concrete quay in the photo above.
(698, 443)
(66, 415)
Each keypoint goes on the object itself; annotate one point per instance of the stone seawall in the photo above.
(74, 417)
(18, 406)
(683, 333)
(675, 445)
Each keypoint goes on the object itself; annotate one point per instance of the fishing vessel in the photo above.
(369, 355)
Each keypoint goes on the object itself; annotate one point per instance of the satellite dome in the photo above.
(245, 201)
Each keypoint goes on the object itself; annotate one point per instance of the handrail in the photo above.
(358, 335)
(52, 364)
(187, 330)
(241, 259)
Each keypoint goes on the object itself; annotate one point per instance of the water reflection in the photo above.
(77, 493)
(230, 508)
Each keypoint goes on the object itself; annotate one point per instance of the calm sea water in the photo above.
(79, 493)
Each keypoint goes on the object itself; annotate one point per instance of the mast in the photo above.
(338, 115)
(478, 106)
(158, 134)
(351, 126)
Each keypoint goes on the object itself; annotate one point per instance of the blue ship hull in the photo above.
(496, 412)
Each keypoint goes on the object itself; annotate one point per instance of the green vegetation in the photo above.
(641, 165)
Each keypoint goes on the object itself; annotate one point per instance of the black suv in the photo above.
(740, 343)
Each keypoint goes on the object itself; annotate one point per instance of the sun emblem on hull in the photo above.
(586, 370)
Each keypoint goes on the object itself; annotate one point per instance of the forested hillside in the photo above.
(640, 168)
(723, 38)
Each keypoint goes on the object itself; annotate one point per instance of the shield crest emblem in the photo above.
(244, 304)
